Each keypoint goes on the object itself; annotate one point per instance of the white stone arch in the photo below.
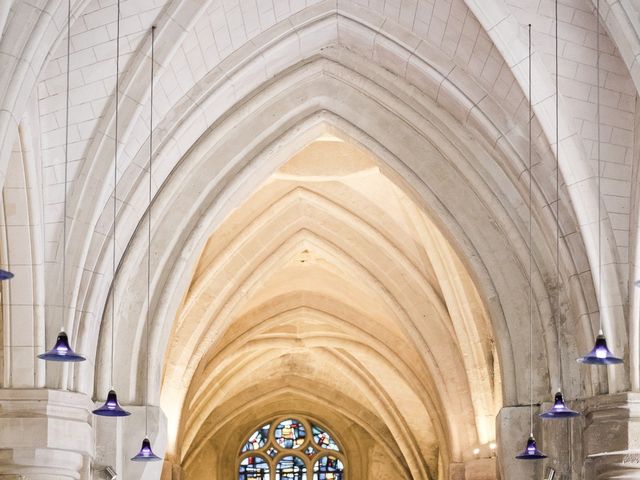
(22, 228)
(88, 315)
(443, 86)
(177, 16)
(578, 176)
(474, 110)
(279, 399)
(205, 222)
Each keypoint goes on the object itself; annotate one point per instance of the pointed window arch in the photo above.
(291, 448)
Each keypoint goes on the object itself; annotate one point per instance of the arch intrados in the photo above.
(307, 390)
(360, 340)
(224, 315)
(273, 401)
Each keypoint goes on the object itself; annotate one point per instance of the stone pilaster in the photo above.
(119, 439)
(481, 469)
(612, 437)
(45, 434)
(478, 469)
(512, 428)
(171, 471)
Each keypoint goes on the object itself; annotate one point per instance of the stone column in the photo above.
(171, 471)
(478, 469)
(481, 469)
(612, 437)
(512, 430)
(45, 434)
(119, 439)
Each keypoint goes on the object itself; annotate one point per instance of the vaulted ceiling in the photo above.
(340, 216)
(330, 283)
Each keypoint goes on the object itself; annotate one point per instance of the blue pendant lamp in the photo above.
(62, 351)
(146, 453)
(5, 275)
(600, 354)
(559, 409)
(111, 407)
(531, 451)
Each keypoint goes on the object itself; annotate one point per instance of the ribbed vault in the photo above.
(330, 281)
(340, 216)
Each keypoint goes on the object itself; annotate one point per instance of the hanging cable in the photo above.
(559, 409)
(66, 169)
(557, 177)
(600, 354)
(115, 194)
(530, 252)
(62, 351)
(146, 390)
(146, 452)
(599, 167)
(111, 407)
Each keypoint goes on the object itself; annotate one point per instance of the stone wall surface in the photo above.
(348, 223)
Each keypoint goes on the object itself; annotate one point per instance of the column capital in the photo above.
(44, 434)
(612, 436)
(612, 423)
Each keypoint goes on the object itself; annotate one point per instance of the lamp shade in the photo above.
(146, 453)
(531, 451)
(559, 409)
(600, 355)
(5, 275)
(111, 407)
(61, 351)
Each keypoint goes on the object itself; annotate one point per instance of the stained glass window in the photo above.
(323, 439)
(257, 440)
(253, 468)
(289, 448)
(291, 468)
(290, 434)
(328, 468)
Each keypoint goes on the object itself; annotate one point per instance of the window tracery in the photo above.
(291, 448)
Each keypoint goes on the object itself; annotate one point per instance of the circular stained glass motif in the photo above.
(253, 468)
(310, 451)
(272, 452)
(290, 434)
(291, 468)
(328, 468)
(323, 439)
(257, 440)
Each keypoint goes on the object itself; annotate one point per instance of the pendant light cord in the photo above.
(146, 389)
(115, 193)
(66, 163)
(599, 165)
(557, 173)
(558, 189)
(530, 254)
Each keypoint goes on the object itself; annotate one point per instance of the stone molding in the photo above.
(45, 434)
(611, 438)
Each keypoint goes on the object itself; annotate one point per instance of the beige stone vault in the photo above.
(330, 286)
(340, 232)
